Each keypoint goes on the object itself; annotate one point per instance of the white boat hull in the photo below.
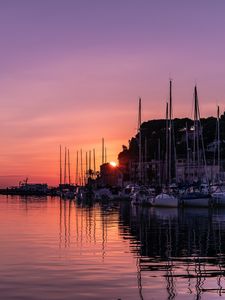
(165, 200)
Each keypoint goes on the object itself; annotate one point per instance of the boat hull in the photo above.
(165, 200)
(218, 199)
(196, 202)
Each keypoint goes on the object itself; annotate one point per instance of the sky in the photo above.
(71, 72)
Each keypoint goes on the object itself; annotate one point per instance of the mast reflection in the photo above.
(187, 244)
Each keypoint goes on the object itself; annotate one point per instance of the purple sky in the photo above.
(72, 71)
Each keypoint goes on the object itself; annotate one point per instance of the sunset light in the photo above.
(112, 149)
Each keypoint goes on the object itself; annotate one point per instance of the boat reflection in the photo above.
(149, 253)
(185, 246)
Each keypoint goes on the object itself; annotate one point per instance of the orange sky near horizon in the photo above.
(72, 72)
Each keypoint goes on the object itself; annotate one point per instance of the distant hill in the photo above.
(153, 134)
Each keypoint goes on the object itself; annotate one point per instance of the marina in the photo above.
(112, 155)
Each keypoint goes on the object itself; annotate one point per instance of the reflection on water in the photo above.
(56, 249)
(185, 247)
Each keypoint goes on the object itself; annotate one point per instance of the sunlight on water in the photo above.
(52, 249)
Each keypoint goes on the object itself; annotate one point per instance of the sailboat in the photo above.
(166, 199)
(197, 196)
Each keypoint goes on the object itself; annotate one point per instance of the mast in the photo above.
(170, 134)
(69, 166)
(89, 159)
(65, 175)
(103, 149)
(197, 127)
(77, 167)
(218, 137)
(94, 162)
(139, 141)
(60, 165)
(81, 167)
(200, 134)
(166, 158)
(86, 163)
(188, 160)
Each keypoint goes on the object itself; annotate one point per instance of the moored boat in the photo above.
(165, 200)
(196, 199)
(142, 197)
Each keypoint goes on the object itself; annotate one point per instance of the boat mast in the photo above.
(170, 133)
(81, 167)
(200, 133)
(69, 166)
(77, 167)
(94, 162)
(166, 159)
(90, 162)
(139, 140)
(218, 137)
(86, 163)
(197, 120)
(60, 167)
(65, 175)
(188, 159)
(103, 149)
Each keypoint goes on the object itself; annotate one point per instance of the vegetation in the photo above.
(153, 136)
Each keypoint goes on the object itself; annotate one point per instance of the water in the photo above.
(52, 249)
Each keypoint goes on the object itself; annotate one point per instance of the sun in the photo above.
(113, 163)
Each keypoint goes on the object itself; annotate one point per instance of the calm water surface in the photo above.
(52, 249)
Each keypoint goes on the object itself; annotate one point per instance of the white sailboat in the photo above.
(192, 197)
(165, 199)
